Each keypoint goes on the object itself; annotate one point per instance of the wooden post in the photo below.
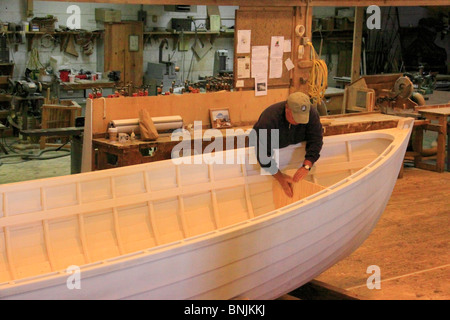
(30, 9)
(357, 39)
(302, 70)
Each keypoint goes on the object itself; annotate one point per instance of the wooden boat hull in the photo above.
(261, 257)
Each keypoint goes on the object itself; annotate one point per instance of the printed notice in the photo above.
(244, 39)
(276, 56)
(289, 64)
(287, 45)
(243, 67)
(239, 84)
(276, 47)
(260, 57)
(276, 68)
(261, 85)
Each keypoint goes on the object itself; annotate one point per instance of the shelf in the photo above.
(179, 33)
(187, 33)
(335, 35)
(334, 30)
(31, 34)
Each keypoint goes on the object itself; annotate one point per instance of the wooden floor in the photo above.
(410, 244)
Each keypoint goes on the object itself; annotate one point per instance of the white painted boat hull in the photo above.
(262, 257)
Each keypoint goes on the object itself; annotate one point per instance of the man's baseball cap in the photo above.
(300, 104)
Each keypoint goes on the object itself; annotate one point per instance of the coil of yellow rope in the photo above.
(318, 81)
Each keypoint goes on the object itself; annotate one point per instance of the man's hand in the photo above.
(302, 172)
(286, 183)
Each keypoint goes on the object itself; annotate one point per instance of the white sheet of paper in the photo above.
(276, 68)
(277, 47)
(261, 86)
(260, 64)
(239, 83)
(289, 64)
(244, 41)
(243, 67)
(287, 45)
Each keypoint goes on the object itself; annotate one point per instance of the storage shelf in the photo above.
(52, 32)
(189, 33)
(32, 34)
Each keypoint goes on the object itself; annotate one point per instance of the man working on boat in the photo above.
(294, 121)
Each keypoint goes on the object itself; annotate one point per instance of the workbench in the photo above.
(334, 97)
(112, 154)
(439, 113)
(79, 90)
(22, 106)
(2, 147)
(109, 154)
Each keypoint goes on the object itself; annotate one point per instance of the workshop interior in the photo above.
(93, 87)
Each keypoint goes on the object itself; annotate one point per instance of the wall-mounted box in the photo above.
(214, 22)
(181, 24)
(108, 15)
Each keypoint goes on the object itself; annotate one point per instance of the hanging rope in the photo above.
(318, 81)
(33, 61)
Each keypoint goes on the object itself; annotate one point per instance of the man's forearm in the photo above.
(278, 175)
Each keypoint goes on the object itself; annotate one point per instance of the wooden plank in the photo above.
(443, 111)
(300, 74)
(287, 297)
(46, 233)
(9, 255)
(359, 127)
(318, 290)
(251, 213)
(244, 107)
(70, 131)
(435, 106)
(214, 198)
(30, 8)
(87, 84)
(181, 211)
(83, 238)
(301, 189)
(357, 40)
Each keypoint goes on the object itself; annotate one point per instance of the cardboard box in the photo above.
(108, 15)
(327, 23)
(214, 23)
(344, 23)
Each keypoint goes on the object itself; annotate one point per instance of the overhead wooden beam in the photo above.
(271, 3)
(381, 3)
